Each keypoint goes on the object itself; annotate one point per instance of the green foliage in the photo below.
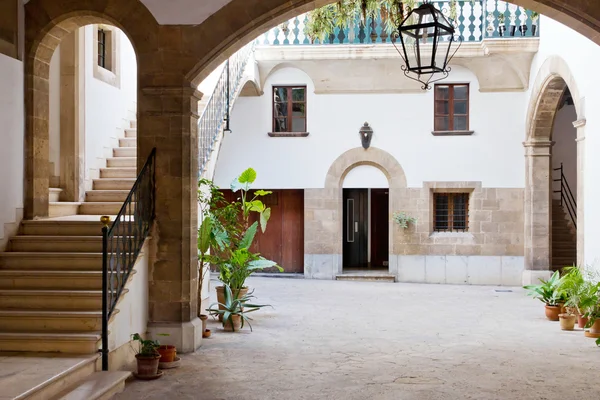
(548, 292)
(235, 305)
(226, 235)
(146, 347)
(402, 219)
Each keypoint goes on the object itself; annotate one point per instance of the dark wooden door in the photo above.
(356, 207)
(380, 235)
(283, 241)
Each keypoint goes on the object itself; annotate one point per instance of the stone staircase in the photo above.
(51, 284)
(564, 238)
(110, 190)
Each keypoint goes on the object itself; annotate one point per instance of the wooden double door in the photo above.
(366, 228)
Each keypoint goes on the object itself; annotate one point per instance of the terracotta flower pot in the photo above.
(567, 321)
(221, 297)
(203, 318)
(206, 333)
(236, 326)
(581, 321)
(147, 365)
(552, 312)
(167, 353)
(595, 329)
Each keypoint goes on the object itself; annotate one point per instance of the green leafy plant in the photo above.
(535, 16)
(501, 19)
(549, 291)
(402, 219)
(226, 233)
(235, 305)
(146, 347)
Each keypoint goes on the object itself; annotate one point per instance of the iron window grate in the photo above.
(451, 212)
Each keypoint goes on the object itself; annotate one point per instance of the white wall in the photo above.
(11, 136)
(107, 107)
(565, 147)
(54, 117)
(582, 57)
(402, 125)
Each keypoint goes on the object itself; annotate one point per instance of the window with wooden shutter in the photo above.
(451, 212)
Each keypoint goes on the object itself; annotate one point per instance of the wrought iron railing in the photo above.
(122, 242)
(216, 111)
(567, 200)
(475, 21)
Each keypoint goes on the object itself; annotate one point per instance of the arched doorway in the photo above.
(546, 187)
(366, 211)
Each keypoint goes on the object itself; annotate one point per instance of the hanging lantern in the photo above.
(428, 45)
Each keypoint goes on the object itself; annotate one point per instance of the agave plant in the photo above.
(235, 306)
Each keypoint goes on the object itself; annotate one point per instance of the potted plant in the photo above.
(501, 26)
(550, 294)
(235, 310)
(402, 219)
(567, 319)
(147, 357)
(534, 18)
(233, 236)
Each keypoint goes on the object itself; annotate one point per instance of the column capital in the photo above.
(538, 143)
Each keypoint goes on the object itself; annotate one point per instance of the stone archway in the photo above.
(323, 209)
(554, 77)
(166, 120)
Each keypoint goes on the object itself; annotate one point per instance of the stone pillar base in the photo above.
(186, 336)
(531, 277)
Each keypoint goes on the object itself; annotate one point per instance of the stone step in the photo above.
(72, 343)
(131, 133)
(121, 162)
(30, 243)
(128, 142)
(44, 261)
(121, 172)
(50, 321)
(101, 385)
(366, 277)
(118, 196)
(124, 152)
(50, 280)
(56, 300)
(133, 124)
(114, 184)
(54, 194)
(101, 208)
(62, 208)
(61, 228)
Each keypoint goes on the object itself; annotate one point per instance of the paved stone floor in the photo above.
(386, 341)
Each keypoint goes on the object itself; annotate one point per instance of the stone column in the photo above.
(580, 126)
(72, 150)
(168, 120)
(538, 203)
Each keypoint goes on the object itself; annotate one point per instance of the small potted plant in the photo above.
(234, 310)
(501, 26)
(550, 294)
(167, 352)
(567, 319)
(534, 18)
(147, 357)
(402, 219)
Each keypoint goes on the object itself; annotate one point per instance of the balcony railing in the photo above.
(476, 20)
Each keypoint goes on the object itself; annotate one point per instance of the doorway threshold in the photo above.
(371, 275)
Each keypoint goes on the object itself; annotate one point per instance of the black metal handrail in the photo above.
(567, 200)
(122, 242)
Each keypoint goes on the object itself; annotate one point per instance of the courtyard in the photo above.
(380, 341)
